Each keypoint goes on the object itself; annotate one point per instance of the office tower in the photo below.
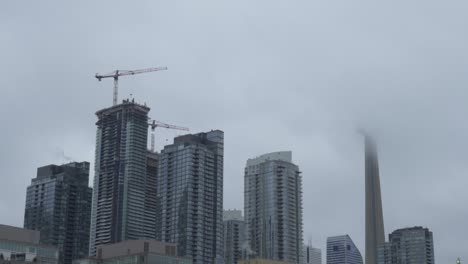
(19, 245)
(235, 242)
(408, 246)
(141, 251)
(191, 194)
(374, 218)
(341, 250)
(58, 204)
(312, 255)
(273, 207)
(120, 182)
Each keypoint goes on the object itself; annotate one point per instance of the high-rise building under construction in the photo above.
(122, 187)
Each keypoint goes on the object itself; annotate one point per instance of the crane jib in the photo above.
(117, 73)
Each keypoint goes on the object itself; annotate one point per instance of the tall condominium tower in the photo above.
(120, 182)
(273, 207)
(375, 235)
(235, 242)
(58, 204)
(341, 250)
(408, 246)
(190, 191)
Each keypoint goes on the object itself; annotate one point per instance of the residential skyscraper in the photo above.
(235, 242)
(408, 246)
(120, 182)
(190, 190)
(273, 207)
(58, 204)
(341, 250)
(375, 235)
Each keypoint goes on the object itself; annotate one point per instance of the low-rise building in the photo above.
(262, 261)
(136, 252)
(19, 245)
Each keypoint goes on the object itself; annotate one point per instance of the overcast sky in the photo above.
(274, 75)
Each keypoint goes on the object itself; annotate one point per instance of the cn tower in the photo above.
(374, 217)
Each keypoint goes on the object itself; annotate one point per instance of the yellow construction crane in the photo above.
(117, 73)
(154, 124)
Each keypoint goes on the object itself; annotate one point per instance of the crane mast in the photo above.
(117, 73)
(154, 124)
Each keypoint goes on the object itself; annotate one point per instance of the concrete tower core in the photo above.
(374, 217)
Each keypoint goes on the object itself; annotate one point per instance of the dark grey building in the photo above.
(121, 184)
(408, 246)
(235, 241)
(190, 189)
(58, 204)
(273, 207)
(375, 235)
(341, 250)
(151, 201)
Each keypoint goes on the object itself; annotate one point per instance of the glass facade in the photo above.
(341, 250)
(408, 246)
(58, 204)
(190, 194)
(30, 252)
(273, 207)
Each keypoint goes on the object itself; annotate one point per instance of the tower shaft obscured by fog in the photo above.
(375, 235)
(273, 207)
(120, 197)
(190, 192)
